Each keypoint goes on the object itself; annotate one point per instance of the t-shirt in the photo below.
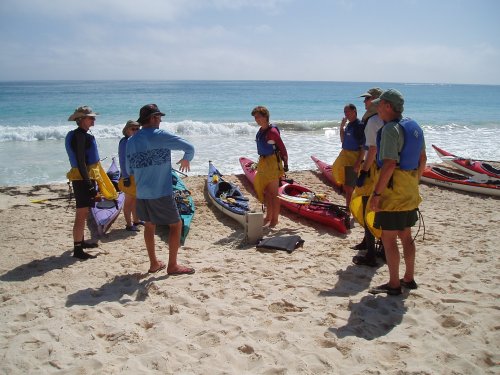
(392, 141)
(373, 125)
(149, 161)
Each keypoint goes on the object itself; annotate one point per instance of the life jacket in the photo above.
(91, 153)
(351, 143)
(264, 148)
(94, 167)
(409, 155)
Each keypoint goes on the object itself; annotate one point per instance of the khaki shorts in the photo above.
(161, 211)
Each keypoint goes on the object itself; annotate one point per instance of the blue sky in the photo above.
(422, 41)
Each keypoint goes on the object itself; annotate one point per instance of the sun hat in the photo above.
(372, 93)
(83, 111)
(394, 97)
(147, 111)
(129, 124)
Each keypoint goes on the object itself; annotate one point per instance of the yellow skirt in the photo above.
(404, 195)
(268, 169)
(345, 158)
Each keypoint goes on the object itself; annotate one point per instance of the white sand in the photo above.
(245, 311)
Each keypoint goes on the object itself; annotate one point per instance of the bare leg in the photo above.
(127, 208)
(149, 239)
(135, 218)
(348, 194)
(389, 239)
(79, 225)
(272, 203)
(409, 250)
(174, 241)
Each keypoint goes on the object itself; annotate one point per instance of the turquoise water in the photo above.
(215, 117)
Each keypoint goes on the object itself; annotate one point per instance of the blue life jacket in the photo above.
(409, 155)
(264, 148)
(354, 137)
(91, 153)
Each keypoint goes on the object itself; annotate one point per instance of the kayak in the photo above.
(469, 166)
(448, 178)
(185, 204)
(326, 170)
(226, 196)
(301, 200)
(106, 211)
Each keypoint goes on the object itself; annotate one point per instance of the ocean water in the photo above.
(215, 117)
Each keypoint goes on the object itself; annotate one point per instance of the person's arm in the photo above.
(422, 163)
(273, 135)
(384, 177)
(79, 140)
(342, 129)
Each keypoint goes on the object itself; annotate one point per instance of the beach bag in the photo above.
(287, 243)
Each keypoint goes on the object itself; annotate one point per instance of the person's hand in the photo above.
(126, 182)
(285, 167)
(184, 165)
(374, 203)
(360, 181)
(92, 190)
(344, 120)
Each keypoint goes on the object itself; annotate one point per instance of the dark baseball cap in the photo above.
(147, 111)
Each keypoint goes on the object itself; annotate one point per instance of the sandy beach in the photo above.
(246, 311)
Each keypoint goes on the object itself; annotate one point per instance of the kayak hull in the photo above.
(106, 211)
(326, 170)
(450, 179)
(291, 198)
(226, 196)
(185, 204)
(470, 166)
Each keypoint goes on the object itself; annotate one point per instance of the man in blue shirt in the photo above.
(149, 161)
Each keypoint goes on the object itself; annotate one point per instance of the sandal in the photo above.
(408, 284)
(363, 260)
(385, 288)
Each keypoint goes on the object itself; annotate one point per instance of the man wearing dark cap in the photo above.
(149, 161)
(395, 199)
(366, 178)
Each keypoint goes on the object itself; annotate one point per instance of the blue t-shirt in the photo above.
(149, 161)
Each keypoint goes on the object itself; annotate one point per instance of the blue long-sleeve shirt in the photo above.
(149, 161)
(122, 146)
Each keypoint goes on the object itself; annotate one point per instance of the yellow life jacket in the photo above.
(97, 173)
(129, 190)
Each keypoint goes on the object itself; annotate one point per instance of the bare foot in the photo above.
(180, 270)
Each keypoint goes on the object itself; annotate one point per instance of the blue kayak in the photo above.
(185, 204)
(226, 196)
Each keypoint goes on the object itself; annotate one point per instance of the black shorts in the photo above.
(350, 176)
(395, 220)
(82, 194)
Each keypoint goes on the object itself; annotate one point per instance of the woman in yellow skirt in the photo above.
(272, 165)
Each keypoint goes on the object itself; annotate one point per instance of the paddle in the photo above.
(185, 175)
(48, 199)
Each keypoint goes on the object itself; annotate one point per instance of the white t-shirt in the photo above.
(372, 127)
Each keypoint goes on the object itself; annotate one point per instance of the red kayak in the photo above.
(301, 200)
(326, 170)
(445, 177)
(470, 166)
